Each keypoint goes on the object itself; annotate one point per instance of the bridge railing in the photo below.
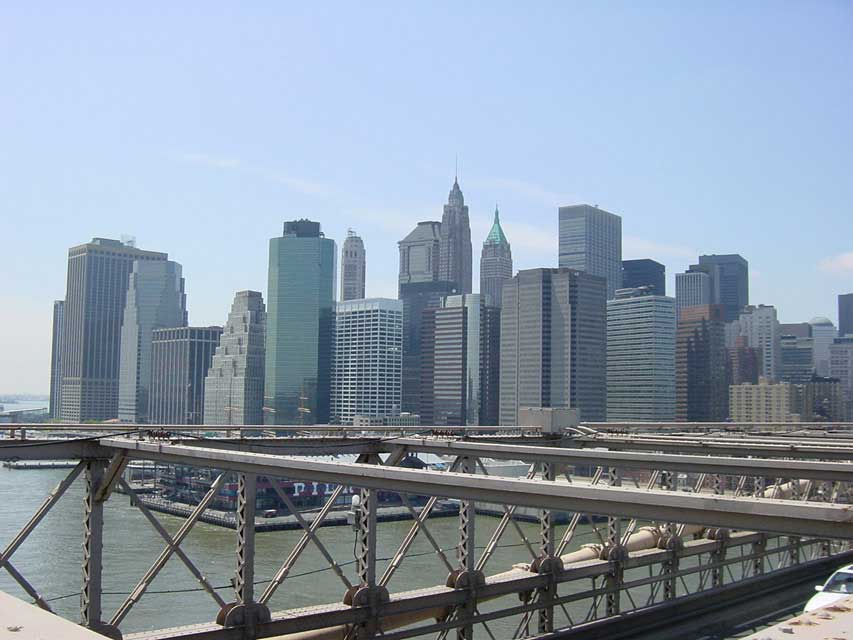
(738, 521)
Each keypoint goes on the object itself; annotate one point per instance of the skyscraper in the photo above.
(760, 327)
(352, 267)
(95, 296)
(416, 297)
(591, 241)
(455, 253)
(460, 371)
(419, 254)
(419, 288)
(823, 334)
(640, 356)
(733, 283)
(644, 273)
(368, 360)
(797, 357)
(234, 386)
(701, 372)
(841, 367)
(495, 263)
(845, 314)
(744, 362)
(300, 310)
(553, 343)
(692, 289)
(180, 359)
(155, 300)
(56, 359)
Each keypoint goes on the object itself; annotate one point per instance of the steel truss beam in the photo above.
(798, 518)
(632, 460)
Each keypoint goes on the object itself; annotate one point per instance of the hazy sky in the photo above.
(709, 127)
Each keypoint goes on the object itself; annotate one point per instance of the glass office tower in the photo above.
(300, 313)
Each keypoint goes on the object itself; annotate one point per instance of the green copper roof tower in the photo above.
(300, 313)
(495, 263)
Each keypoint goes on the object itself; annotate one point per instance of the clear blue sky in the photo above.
(709, 127)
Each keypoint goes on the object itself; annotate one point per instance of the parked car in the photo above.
(838, 587)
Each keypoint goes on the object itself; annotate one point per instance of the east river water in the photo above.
(51, 558)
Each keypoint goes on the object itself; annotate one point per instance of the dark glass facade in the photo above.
(416, 297)
(845, 314)
(554, 343)
(732, 286)
(701, 365)
(459, 382)
(300, 315)
(644, 273)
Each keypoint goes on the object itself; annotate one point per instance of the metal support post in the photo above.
(718, 556)
(93, 552)
(466, 576)
(547, 562)
(244, 611)
(615, 552)
(759, 548)
(671, 542)
(366, 558)
(367, 593)
(244, 579)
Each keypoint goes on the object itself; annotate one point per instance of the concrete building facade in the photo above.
(180, 359)
(367, 362)
(760, 326)
(420, 254)
(300, 313)
(234, 386)
(353, 267)
(590, 240)
(155, 300)
(495, 263)
(692, 289)
(95, 296)
(640, 356)
(766, 401)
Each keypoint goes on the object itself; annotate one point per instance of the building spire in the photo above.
(496, 234)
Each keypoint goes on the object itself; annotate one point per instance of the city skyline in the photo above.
(747, 150)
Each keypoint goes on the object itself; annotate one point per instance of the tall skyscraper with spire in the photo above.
(455, 245)
(495, 263)
(352, 267)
